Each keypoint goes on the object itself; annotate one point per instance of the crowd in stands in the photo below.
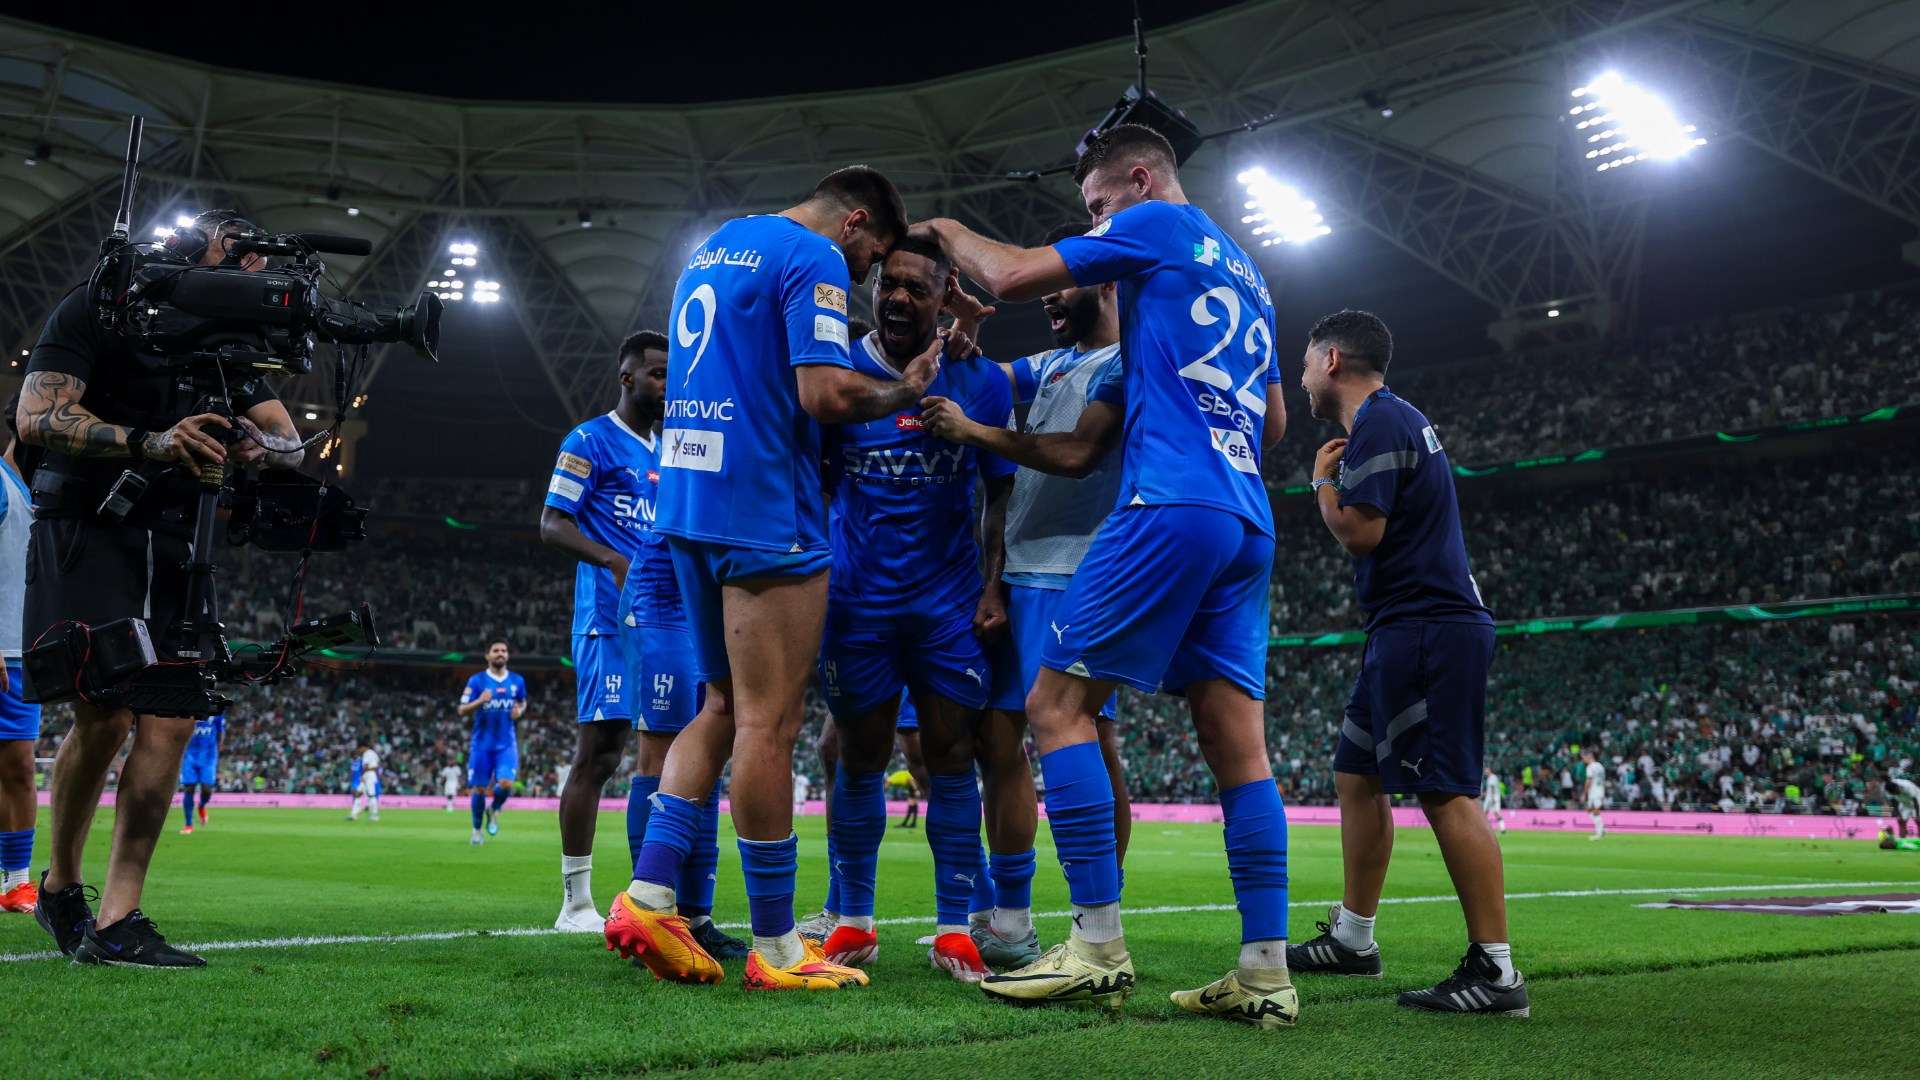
(1842, 357)
(1810, 528)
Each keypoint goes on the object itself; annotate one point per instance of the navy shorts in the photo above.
(660, 659)
(867, 656)
(1167, 596)
(1417, 717)
(18, 720)
(701, 568)
(1031, 613)
(600, 678)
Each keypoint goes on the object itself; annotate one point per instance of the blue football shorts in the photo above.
(1417, 717)
(701, 568)
(18, 720)
(867, 656)
(600, 678)
(1167, 596)
(1031, 613)
(199, 769)
(491, 765)
(660, 659)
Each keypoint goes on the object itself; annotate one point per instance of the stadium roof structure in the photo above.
(585, 213)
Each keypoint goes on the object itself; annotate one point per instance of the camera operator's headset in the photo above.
(191, 243)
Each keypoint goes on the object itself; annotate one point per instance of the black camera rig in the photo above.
(215, 326)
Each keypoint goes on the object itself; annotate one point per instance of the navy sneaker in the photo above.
(719, 944)
(1326, 955)
(65, 914)
(133, 941)
(1473, 988)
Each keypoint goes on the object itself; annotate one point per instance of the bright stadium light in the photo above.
(1278, 213)
(462, 248)
(182, 221)
(1626, 123)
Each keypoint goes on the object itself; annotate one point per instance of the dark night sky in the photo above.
(1731, 230)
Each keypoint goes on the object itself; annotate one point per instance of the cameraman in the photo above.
(90, 406)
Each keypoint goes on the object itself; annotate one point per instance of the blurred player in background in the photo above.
(658, 653)
(759, 325)
(19, 721)
(1416, 722)
(1596, 791)
(599, 509)
(906, 608)
(911, 781)
(366, 783)
(200, 768)
(1051, 519)
(450, 775)
(1490, 798)
(1906, 802)
(1173, 592)
(496, 699)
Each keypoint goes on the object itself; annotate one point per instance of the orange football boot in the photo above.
(811, 973)
(23, 897)
(958, 956)
(661, 940)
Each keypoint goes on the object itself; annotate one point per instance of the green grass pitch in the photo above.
(1616, 988)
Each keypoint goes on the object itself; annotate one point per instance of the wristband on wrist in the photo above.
(1324, 481)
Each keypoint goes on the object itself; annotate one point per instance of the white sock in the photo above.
(373, 804)
(979, 918)
(576, 883)
(1353, 931)
(858, 922)
(650, 896)
(1263, 965)
(1096, 925)
(949, 928)
(782, 951)
(12, 879)
(1501, 953)
(1013, 923)
(358, 804)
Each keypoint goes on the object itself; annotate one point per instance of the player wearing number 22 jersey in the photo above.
(1172, 593)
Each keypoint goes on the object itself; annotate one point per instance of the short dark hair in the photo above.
(858, 328)
(498, 641)
(861, 187)
(1360, 336)
(1067, 230)
(1125, 143)
(927, 248)
(641, 340)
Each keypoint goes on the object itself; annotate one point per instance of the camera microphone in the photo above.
(298, 244)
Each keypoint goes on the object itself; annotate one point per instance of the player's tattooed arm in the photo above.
(990, 614)
(558, 530)
(1008, 272)
(1064, 453)
(837, 395)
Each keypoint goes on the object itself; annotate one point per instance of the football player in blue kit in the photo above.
(1051, 519)
(906, 729)
(1416, 724)
(759, 360)
(906, 609)
(495, 698)
(200, 767)
(1172, 594)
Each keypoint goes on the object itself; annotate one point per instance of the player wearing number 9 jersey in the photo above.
(757, 359)
(1172, 593)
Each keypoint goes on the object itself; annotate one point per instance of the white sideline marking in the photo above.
(1170, 909)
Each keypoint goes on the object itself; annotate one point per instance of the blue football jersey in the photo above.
(493, 722)
(206, 736)
(903, 499)
(1394, 463)
(1196, 327)
(761, 297)
(600, 479)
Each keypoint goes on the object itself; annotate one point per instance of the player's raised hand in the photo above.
(925, 368)
(1326, 463)
(485, 696)
(967, 311)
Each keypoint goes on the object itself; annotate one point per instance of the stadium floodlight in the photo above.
(1278, 213)
(311, 415)
(1625, 123)
(1553, 313)
(353, 211)
(181, 221)
(161, 232)
(463, 248)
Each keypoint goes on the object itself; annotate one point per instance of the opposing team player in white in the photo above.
(1490, 798)
(450, 783)
(367, 796)
(1596, 792)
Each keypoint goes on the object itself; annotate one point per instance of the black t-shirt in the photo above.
(124, 387)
